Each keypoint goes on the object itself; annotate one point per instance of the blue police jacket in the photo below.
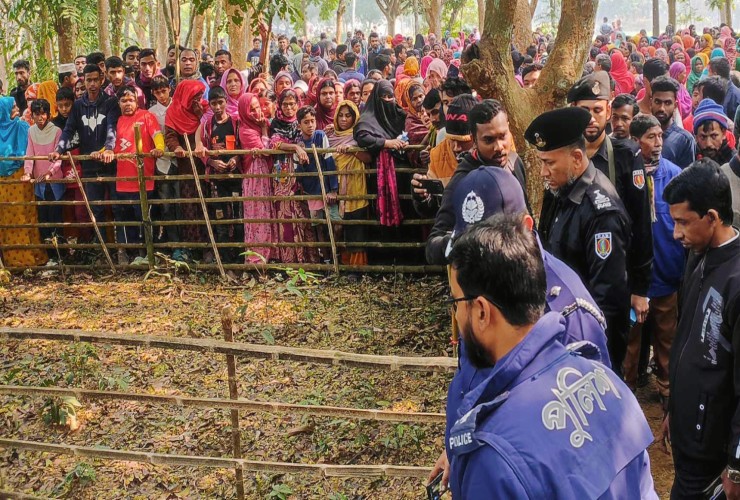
(567, 295)
(549, 423)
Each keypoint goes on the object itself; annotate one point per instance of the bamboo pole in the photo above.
(375, 268)
(148, 235)
(262, 351)
(91, 214)
(323, 470)
(204, 208)
(226, 404)
(227, 326)
(213, 222)
(326, 210)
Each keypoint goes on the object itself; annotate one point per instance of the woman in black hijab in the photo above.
(419, 43)
(381, 121)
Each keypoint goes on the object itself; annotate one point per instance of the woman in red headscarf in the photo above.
(621, 74)
(253, 129)
(326, 104)
(181, 121)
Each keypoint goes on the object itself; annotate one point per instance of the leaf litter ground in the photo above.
(378, 315)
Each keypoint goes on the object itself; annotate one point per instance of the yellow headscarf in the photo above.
(710, 44)
(48, 90)
(411, 67)
(351, 185)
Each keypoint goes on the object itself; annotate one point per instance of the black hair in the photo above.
(626, 100)
(65, 94)
(638, 67)
(532, 67)
(277, 63)
(40, 106)
(398, 49)
(95, 58)
(350, 58)
(720, 66)
(92, 68)
(665, 84)
(381, 61)
(593, 52)
(483, 112)
(373, 35)
(22, 64)
(704, 187)
(127, 89)
(222, 52)
(707, 125)
(113, 62)
(131, 48)
(216, 93)
(432, 99)
(187, 49)
(641, 124)
(341, 49)
(304, 112)
(147, 52)
(206, 69)
(604, 61)
(160, 82)
(714, 88)
(532, 51)
(455, 86)
(374, 72)
(499, 259)
(653, 68)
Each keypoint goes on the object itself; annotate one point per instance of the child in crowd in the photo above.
(221, 133)
(311, 185)
(42, 139)
(153, 142)
(166, 190)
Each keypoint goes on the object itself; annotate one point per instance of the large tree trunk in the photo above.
(140, 24)
(391, 20)
(481, 14)
(103, 23)
(341, 9)
(433, 15)
(493, 74)
(304, 13)
(728, 12)
(391, 9)
(656, 18)
(66, 39)
(522, 26)
(116, 17)
(672, 13)
(237, 34)
(163, 36)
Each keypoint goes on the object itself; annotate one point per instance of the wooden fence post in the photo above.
(228, 328)
(326, 210)
(143, 199)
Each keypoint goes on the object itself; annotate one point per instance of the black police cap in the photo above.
(557, 128)
(593, 87)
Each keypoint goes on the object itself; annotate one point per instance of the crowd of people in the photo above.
(379, 94)
(640, 168)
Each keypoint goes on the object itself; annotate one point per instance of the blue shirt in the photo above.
(351, 75)
(679, 146)
(668, 254)
(549, 423)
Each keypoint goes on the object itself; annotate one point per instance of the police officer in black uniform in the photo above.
(583, 221)
(622, 163)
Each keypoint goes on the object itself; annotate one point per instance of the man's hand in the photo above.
(732, 490)
(425, 156)
(179, 152)
(443, 466)
(641, 307)
(219, 165)
(416, 184)
(665, 435)
(107, 156)
(302, 155)
(157, 153)
(331, 198)
(54, 156)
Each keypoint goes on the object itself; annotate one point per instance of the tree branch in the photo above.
(532, 7)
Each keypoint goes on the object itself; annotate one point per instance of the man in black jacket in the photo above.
(489, 126)
(703, 421)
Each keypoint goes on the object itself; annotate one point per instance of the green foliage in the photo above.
(58, 411)
(81, 359)
(82, 475)
(280, 491)
(404, 436)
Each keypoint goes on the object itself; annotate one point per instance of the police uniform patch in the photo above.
(638, 178)
(472, 209)
(603, 245)
(601, 200)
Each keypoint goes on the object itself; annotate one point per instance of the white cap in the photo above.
(300, 84)
(66, 68)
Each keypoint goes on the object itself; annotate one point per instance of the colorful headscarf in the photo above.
(619, 72)
(324, 116)
(348, 86)
(411, 67)
(425, 62)
(180, 116)
(731, 51)
(439, 67)
(710, 43)
(683, 97)
(694, 75)
(232, 103)
(13, 137)
(688, 41)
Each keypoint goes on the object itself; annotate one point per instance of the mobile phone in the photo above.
(433, 186)
(434, 489)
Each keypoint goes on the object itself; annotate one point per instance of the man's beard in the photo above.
(556, 191)
(709, 153)
(593, 137)
(477, 355)
(664, 119)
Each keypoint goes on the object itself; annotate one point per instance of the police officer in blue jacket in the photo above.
(487, 191)
(548, 421)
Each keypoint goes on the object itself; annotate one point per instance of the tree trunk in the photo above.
(341, 10)
(140, 24)
(237, 38)
(453, 20)
(163, 35)
(481, 14)
(433, 15)
(116, 17)
(103, 23)
(493, 74)
(672, 13)
(728, 10)
(522, 26)
(218, 14)
(656, 18)
(391, 20)
(66, 39)
(304, 13)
